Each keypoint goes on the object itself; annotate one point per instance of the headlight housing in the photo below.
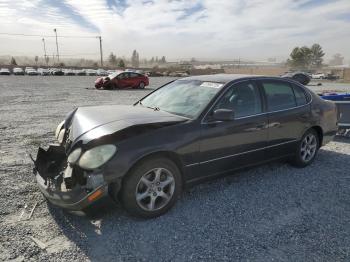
(74, 156)
(97, 156)
(58, 129)
(61, 136)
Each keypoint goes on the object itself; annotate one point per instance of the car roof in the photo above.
(220, 78)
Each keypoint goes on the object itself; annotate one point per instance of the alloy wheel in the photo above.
(155, 189)
(308, 147)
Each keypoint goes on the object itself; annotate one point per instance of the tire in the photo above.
(307, 149)
(157, 184)
(109, 86)
(142, 85)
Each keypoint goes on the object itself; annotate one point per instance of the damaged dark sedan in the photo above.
(182, 133)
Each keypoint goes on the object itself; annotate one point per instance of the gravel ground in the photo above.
(273, 212)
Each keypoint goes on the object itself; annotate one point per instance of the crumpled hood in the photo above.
(97, 121)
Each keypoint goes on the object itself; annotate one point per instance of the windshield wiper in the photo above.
(156, 108)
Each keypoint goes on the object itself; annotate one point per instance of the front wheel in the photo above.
(307, 149)
(151, 188)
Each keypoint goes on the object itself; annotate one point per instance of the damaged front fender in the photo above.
(64, 185)
(48, 163)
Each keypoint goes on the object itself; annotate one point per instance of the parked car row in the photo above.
(55, 71)
(305, 77)
(321, 76)
(300, 77)
(168, 73)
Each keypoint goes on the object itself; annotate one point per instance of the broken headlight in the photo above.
(61, 136)
(97, 156)
(58, 129)
(74, 156)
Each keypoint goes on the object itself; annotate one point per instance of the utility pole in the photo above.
(58, 55)
(100, 38)
(45, 51)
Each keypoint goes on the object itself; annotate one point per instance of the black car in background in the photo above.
(300, 77)
(184, 132)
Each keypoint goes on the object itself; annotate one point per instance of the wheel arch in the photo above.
(142, 82)
(165, 154)
(319, 132)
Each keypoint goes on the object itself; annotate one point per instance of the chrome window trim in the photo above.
(343, 124)
(242, 153)
(219, 97)
(264, 113)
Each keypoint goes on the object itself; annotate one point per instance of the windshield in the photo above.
(113, 75)
(183, 97)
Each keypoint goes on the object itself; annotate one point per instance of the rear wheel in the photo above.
(307, 149)
(142, 85)
(151, 188)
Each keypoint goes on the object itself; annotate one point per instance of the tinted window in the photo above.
(279, 95)
(300, 95)
(243, 99)
(123, 76)
(134, 75)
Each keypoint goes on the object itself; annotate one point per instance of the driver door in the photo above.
(123, 80)
(227, 145)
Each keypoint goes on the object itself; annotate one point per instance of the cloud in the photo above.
(222, 29)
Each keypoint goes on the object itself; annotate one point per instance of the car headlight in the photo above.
(61, 136)
(58, 129)
(97, 156)
(74, 156)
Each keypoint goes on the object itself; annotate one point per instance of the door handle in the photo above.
(261, 126)
(274, 124)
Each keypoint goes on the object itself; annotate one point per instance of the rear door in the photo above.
(134, 79)
(289, 112)
(227, 145)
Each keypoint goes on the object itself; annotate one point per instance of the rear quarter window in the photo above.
(279, 95)
(132, 75)
(301, 97)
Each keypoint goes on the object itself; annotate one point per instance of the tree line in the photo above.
(301, 58)
(306, 57)
(135, 60)
(311, 58)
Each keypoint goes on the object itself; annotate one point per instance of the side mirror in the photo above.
(223, 115)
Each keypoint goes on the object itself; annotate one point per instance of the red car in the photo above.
(122, 80)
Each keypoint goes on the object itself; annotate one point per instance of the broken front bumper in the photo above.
(51, 171)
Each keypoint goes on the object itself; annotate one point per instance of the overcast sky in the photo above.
(178, 29)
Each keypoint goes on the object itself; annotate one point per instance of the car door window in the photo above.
(279, 95)
(243, 98)
(122, 76)
(300, 95)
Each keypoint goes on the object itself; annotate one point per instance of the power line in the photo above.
(59, 36)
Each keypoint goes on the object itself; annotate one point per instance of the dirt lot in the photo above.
(273, 212)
